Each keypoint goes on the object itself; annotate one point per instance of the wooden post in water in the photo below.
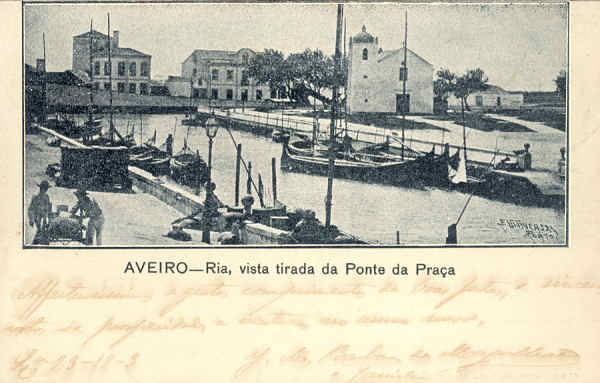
(249, 183)
(274, 180)
(238, 160)
(397, 237)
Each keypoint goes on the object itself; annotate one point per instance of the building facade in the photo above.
(493, 98)
(130, 69)
(375, 79)
(218, 75)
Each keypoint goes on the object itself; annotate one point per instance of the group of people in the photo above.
(210, 216)
(40, 211)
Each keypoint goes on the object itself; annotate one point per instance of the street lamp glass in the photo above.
(212, 126)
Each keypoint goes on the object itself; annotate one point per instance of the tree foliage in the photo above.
(301, 74)
(444, 84)
(561, 83)
(461, 86)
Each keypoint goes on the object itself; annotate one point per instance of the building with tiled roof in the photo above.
(492, 98)
(130, 68)
(220, 75)
(375, 78)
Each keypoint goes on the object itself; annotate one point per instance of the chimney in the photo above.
(40, 65)
(115, 39)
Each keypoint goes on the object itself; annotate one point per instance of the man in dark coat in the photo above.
(39, 210)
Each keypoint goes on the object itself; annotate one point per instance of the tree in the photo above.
(270, 68)
(444, 84)
(472, 81)
(300, 74)
(561, 83)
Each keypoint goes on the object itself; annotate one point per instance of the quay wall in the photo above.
(188, 203)
(182, 200)
(75, 99)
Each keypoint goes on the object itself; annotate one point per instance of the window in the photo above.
(144, 69)
(403, 74)
(479, 100)
(143, 88)
(229, 75)
(230, 94)
(106, 68)
(214, 94)
(121, 87)
(258, 94)
(132, 88)
(245, 95)
(96, 68)
(244, 77)
(195, 93)
(132, 69)
(121, 69)
(245, 58)
(202, 93)
(107, 85)
(215, 74)
(365, 54)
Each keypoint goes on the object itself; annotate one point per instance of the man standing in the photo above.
(169, 144)
(38, 211)
(89, 209)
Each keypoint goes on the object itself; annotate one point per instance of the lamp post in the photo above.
(212, 126)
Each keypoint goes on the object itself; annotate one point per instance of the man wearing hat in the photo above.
(39, 209)
(89, 209)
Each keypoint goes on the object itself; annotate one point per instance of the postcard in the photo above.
(264, 192)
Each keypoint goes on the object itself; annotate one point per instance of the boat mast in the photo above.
(112, 126)
(334, 100)
(404, 76)
(91, 106)
(345, 71)
(44, 85)
(209, 86)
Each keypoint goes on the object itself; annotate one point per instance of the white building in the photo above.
(220, 75)
(493, 98)
(375, 79)
(130, 70)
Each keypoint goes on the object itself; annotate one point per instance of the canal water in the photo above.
(372, 212)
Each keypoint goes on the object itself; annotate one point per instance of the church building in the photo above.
(375, 79)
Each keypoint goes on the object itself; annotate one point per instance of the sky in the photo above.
(519, 46)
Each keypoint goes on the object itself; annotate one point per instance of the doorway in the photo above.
(403, 103)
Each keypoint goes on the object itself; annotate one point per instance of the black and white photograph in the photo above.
(295, 125)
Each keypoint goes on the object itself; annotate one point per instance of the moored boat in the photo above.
(188, 168)
(428, 169)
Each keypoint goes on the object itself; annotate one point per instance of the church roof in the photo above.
(363, 37)
(388, 54)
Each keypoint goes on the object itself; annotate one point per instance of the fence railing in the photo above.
(277, 121)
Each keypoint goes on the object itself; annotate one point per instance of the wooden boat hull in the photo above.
(428, 169)
(150, 159)
(189, 169)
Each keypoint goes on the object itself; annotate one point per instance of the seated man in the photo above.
(209, 212)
